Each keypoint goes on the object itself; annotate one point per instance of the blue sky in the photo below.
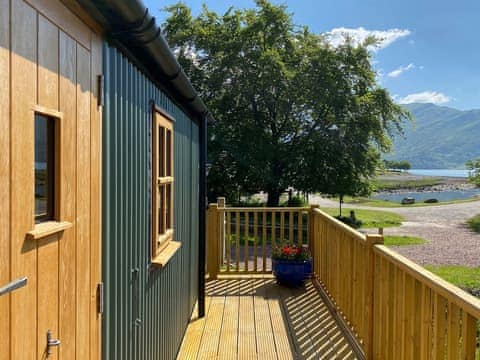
(431, 51)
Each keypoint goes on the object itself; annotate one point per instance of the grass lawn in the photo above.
(370, 218)
(467, 278)
(474, 223)
(461, 276)
(403, 240)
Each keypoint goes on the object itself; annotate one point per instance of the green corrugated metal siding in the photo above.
(146, 312)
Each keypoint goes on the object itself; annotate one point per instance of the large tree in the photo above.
(289, 109)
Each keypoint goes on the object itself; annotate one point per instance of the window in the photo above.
(44, 168)
(163, 182)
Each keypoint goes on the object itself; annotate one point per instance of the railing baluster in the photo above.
(237, 240)
(255, 234)
(273, 229)
(454, 333)
(300, 228)
(246, 242)
(469, 332)
(441, 326)
(426, 325)
(228, 239)
(282, 227)
(264, 241)
(290, 227)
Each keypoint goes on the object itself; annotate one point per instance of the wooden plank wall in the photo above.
(49, 58)
(5, 174)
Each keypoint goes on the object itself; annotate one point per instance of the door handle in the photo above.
(15, 284)
(51, 342)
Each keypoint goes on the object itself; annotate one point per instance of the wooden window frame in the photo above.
(51, 171)
(163, 182)
(52, 224)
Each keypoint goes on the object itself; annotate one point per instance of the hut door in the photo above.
(50, 182)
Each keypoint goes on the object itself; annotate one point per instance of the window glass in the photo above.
(44, 167)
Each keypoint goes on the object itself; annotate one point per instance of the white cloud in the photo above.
(433, 97)
(338, 36)
(399, 71)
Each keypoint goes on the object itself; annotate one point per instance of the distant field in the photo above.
(405, 183)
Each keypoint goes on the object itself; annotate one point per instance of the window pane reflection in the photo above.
(44, 167)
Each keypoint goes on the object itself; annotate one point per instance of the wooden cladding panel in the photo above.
(83, 206)
(5, 176)
(95, 196)
(58, 13)
(47, 248)
(23, 253)
(67, 251)
(47, 70)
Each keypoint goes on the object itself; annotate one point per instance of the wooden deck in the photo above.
(254, 318)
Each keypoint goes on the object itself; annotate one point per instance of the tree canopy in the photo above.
(290, 109)
(474, 171)
(397, 164)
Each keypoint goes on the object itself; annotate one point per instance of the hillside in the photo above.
(439, 138)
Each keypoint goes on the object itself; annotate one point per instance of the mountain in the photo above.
(439, 137)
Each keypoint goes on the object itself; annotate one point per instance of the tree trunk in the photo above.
(273, 199)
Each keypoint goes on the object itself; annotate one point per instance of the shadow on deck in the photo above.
(254, 318)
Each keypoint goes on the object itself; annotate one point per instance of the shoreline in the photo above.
(450, 186)
(405, 182)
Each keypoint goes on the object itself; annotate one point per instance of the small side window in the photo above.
(44, 168)
(163, 181)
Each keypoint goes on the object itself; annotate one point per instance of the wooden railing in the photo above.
(343, 263)
(395, 308)
(418, 314)
(240, 240)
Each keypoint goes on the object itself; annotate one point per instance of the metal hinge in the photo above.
(100, 90)
(100, 298)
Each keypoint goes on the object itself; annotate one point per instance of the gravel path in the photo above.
(449, 240)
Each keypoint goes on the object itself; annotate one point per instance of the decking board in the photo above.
(254, 318)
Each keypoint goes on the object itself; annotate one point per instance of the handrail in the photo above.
(14, 285)
(454, 294)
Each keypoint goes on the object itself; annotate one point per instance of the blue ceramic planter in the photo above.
(291, 273)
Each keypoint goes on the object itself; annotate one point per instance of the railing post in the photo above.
(212, 241)
(311, 234)
(221, 231)
(372, 240)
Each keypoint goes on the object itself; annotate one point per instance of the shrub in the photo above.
(355, 223)
(249, 202)
(295, 201)
(474, 223)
